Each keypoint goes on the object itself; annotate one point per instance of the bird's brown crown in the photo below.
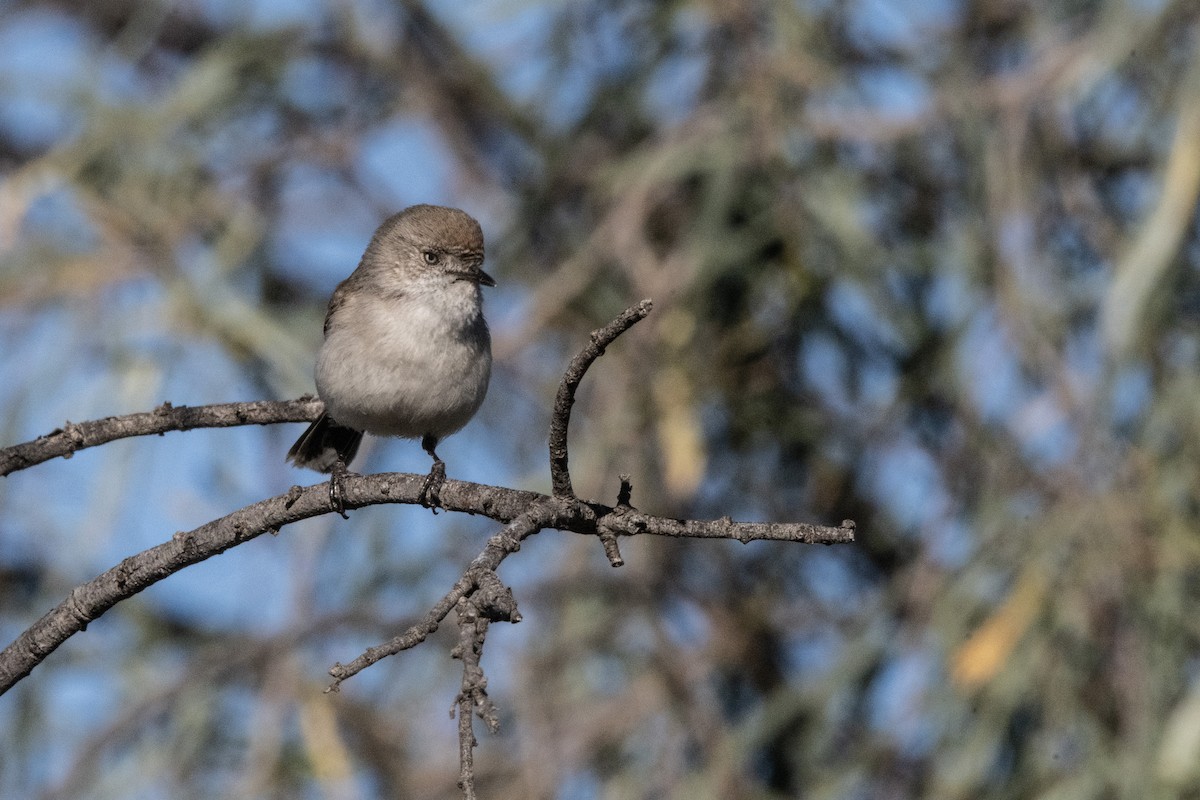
(434, 227)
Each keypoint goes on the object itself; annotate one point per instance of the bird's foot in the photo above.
(430, 494)
(336, 490)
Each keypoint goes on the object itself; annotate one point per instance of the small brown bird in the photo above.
(407, 351)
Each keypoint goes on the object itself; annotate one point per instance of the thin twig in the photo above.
(473, 624)
(560, 476)
(506, 541)
(466, 744)
(74, 436)
(468, 635)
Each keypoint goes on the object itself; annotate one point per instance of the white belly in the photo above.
(406, 367)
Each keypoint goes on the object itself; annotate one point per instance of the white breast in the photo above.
(408, 367)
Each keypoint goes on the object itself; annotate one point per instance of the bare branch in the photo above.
(473, 621)
(72, 437)
(529, 511)
(499, 546)
(560, 476)
(466, 738)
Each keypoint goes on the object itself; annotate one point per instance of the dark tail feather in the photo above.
(323, 443)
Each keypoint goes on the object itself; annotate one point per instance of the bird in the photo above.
(407, 351)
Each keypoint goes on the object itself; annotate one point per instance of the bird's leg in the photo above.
(336, 476)
(437, 475)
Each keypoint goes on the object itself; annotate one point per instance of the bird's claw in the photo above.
(336, 492)
(430, 494)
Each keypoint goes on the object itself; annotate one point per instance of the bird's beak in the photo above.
(474, 276)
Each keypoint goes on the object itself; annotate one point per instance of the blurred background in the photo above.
(929, 265)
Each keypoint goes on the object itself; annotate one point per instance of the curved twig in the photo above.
(560, 476)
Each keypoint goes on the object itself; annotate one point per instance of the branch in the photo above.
(472, 630)
(90, 600)
(541, 514)
(72, 437)
(474, 616)
(560, 476)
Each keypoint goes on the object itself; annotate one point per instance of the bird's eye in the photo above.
(431, 257)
